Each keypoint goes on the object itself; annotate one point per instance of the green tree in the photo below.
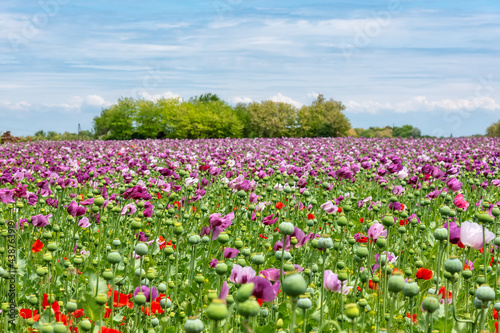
(116, 122)
(406, 131)
(324, 118)
(493, 130)
(270, 119)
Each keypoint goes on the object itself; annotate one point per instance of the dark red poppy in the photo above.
(37, 246)
(339, 210)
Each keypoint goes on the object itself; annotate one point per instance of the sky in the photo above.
(429, 63)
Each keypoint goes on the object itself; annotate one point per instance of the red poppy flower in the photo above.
(495, 314)
(154, 309)
(158, 195)
(37, 246)
(363, 239)
(370, 284)
(162, 242)
(339, 210)
(77, 313)
(262, 236)
(310, 216)
(361, 220)
(27, 314)
(279, 205)
(108, 330)
(424, 274)
(461, 245)
(55, 304)
(441, 292)
(260, 301)
(194, 209)
(120, 299)
(413, 319)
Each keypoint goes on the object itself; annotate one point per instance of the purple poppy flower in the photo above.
(471, 234)
(398, 190)
(332, 283)
(128, 209)
(454, 232)
(84, 223)
(141, 236)
(150, 293)
(224, 291)
(329, 207)
(40, 220)
(137, 192)
(230, 253)
(453, 184)
(376, 230)
(6, 196)
(263, 289)
(268, 220)
(271, 274)
(241, 275)
(148, 209)
(213, 263)
(217, 223)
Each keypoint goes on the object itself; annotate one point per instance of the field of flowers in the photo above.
(260, 235)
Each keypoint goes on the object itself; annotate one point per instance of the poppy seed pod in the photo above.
(141, 249)
(286, 228)
(352, 310)
(294, 284)
(193, 325)
(441, 234)
(249, 308)
(217, 310)
(325, 242)
(411, 289)
(430, 304)
(396, 283)
(485, 293)
(453, 265)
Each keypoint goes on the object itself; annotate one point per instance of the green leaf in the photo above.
(265, 329)
(90, 308)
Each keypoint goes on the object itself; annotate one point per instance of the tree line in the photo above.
(207, 116)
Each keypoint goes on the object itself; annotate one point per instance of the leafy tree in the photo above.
(406, 131)
(494, 129)
(323, 118)
(205, 98)
(243, 114)
(116, 122)
(272, 119)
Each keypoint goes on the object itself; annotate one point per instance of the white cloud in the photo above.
(96, 100)
(245, 100)
(281, 98)
(423, 104)
(155, 97)
(15, 106)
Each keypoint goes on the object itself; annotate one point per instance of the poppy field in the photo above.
(250, 235)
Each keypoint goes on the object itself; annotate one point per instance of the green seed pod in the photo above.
(294, 284)
(244, 292)
(381, 242)
(140, 299)
(388, 221)
(411, 289)
(165, 303)
(223, 238)
(114, 257)
(363, 303)
(441, 234)
(238, 243)
(221, 268)
(194, 239)
(286, 228)
(340, 264)
(453, 265)
(60, 328)
(325, 242)
(33, 300)
(362, 251)
(396, 283)
(484, 218)
(107, 274)
(141, 249)
(47, 328)
(342, 275)
(258, 259)
(217, 310)
(430, 304)
(485, 293)
(178, 229)
(342, 221)
(71, 306)
(193, 325)
(99, 201)
(445, 210)
(101, 299)
(249, 308)
(495, 212)
(352, 310)
(419, 263)
(304, 302)
(52, 246)
(85, 325)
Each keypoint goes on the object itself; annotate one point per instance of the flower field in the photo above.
(250, 235)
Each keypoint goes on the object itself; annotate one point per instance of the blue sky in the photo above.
(432, 64)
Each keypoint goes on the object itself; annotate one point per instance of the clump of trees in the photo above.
(494, 129)
(55, 136)
(207, 116)
(405, 131)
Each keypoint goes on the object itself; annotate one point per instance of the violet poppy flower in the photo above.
(75, 210)
(136, 192)
(398, 190)
(84, 223)
(230, 253)
(128, 209)
(217, 223)
(471, 234)
(224, 291)
(268, 220)
(6, 196)
(332, 283)
(376, 230)
(213, 263)
(329, 207)
(241, 275)
(148, 209)
(453, 184)
(454, 232)
(263, 289)
(40, 220)
(150, 293)
(271, 274)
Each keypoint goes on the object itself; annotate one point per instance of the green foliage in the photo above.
(494, 129)
(207, 116)
(406, 131)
